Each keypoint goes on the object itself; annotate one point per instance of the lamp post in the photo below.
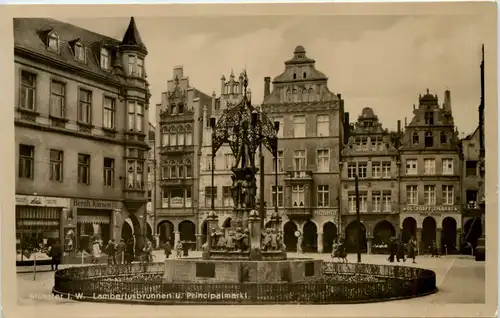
(212, 197)
(358, 219)
(275, 154)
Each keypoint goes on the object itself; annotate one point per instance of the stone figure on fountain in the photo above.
(221, 240)
(230, 241)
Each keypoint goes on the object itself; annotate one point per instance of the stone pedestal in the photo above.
(320, 242)
(255, 235)
(199, 241)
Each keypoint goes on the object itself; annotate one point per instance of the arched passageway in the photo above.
(290, 239)
(353, 237)
(330, 235)
(449, 236)
(187, 233)
(166, 231)
(409, 229)
(310, 241)
(428, 233)
(382, 232)
(472, 232)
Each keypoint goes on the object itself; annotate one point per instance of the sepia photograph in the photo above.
(250, 160)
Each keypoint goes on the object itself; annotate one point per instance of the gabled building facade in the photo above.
(310, 140)
(430, 176)
(81, 131)
(231, 93)
(371, 154)
(179, 129)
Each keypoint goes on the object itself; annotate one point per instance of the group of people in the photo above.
(400, 251)
(181, 249)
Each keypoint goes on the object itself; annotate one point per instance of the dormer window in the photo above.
(415, 138)
(294, 76)
(104, 59)
(429, 118)
(80, 51)
(429, 139)
(53, 42)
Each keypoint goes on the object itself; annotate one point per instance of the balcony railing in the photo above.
(299, 175)
(177, 148)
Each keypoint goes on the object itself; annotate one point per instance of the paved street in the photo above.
(460, 280)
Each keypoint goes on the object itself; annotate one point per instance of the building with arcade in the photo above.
(371, 153)
(81, 130)
(430, 176)
(311, 134)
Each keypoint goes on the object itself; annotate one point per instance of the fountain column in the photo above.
(255, 235)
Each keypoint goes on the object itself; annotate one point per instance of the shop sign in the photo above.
(431, 208)
(34, 200)
(94, 204)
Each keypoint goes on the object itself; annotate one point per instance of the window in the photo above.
(227, 200)
(282, 126)
(415, 139)
(411, 166)
(363, 202)
(299, 126)
(109, 113)
(386, 201)
(323, 196)
(131, 65)
(448, 195)
(26, 161)
(351, 202)
(471, 199)
(362, 167)
(298, 195)
(429, 139)
(228, 161)
(130, 174)
(173, 136)
(322, 126)
(429, 166)
(189, 136)
(188, 198)
(447, 166)
(140, 68)
(28, 91)
(85, 106)
(299, 161)
(177, 197)
(429, 118)
(56, 165)
(80, 52)
(139, 173)
(376, 170)
(105, 59)
(180, 137)
(412, 195)
(280, 198)
(358, 144)
(109, 172)
(53, 42)
(323, 160)
(209, 191)
(430, 194)
(83, 168)
(189, 169)
(131, 114)
(57, 99)
(470, 168)
(377, 143)
(386, 170)
(140, 116)
(376, 201)
(364, 143)
(443, 137)
(351, 170)
(280, 162)
(164, 137)
(173, 170)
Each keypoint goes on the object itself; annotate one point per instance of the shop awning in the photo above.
(93, 219)
(37, 213)
(43, 223)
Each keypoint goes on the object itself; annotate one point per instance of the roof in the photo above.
(132, 36)
(300, 58)
(31, 34)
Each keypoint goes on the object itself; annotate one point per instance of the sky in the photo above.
(378, 61)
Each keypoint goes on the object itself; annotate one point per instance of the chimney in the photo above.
(447, 101)
(399, 126)
(267, 86)
(398, 134)
(346, 127)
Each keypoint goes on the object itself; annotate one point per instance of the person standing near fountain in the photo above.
(168, 249)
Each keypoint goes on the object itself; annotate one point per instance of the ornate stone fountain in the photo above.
(245, 251)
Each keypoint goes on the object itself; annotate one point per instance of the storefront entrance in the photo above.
(93, 225)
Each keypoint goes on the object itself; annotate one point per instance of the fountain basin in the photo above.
(242, 271)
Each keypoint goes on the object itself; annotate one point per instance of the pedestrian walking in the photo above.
(55, 254)
(129, 251)
(412, 249)
(434, 249)
(178, 249)
(120, 251)
(148, 251)
(111, 250)
(96, 252)
(185, 249)
(393, 247)
(400, 253)
(168, 249)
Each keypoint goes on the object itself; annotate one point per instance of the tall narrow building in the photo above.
(430, 176)
(81, 131)
(371, 154)
(311, 133)
(179, 128)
